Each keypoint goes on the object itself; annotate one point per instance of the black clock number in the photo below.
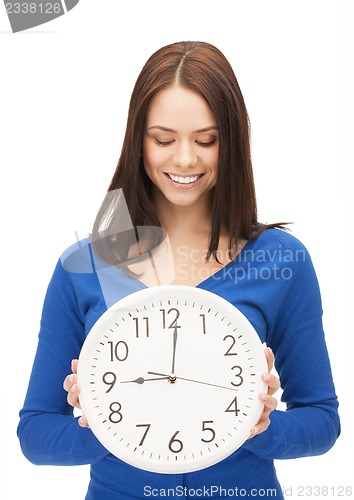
(233, 408)
(210, 429)
(237, 376)
(115, 416)
(203, 323)
(171, 311)
(137, 327)
(229, 352)
(175, 445)
(119, 350)
(109, 378)
(145, 433)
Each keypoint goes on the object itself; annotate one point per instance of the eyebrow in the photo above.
(166, 129)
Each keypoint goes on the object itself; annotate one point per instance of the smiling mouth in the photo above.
(184, 180)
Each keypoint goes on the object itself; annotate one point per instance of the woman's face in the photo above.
(181, 147)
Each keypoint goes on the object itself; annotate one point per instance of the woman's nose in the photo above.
(185, 155)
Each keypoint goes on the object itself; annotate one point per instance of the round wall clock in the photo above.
(169, 379)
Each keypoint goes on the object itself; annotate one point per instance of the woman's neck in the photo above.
(186, 220)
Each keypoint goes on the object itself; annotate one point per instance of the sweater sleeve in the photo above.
(310, 425)
(48, 431)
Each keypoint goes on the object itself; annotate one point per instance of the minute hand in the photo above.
(174, 350)
(195, 381)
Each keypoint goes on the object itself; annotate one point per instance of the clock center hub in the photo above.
(172, 378)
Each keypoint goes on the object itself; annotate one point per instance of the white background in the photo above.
(64, 92)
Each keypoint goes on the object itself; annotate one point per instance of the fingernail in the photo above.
(266, 377)
(255, 430)
(270, 350)
(71, 378)
(81, 421)
(264, 397)
(73, 389)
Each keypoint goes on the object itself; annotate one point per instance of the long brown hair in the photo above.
(200, 67)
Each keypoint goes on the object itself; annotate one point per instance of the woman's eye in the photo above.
(206, 144)
(163, 143)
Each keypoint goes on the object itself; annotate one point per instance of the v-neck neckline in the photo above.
(224, 269)
(215, 276)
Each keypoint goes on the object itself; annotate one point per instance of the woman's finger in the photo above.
(69, 381)
(73, 396)
(270, 358)
(74, 365)
(83, 421)
(269, 402)
(261, 426)
(70, 385)
(272, 381)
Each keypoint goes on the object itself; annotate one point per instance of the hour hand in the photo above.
(142, 380)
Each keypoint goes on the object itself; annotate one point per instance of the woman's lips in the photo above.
(184, 180)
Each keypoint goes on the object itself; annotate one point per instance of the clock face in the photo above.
(169, 379)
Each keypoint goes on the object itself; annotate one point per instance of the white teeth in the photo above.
(183, 180)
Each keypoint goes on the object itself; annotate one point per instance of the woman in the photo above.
(186, 176)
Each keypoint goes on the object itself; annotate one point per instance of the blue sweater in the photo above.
(272, 281)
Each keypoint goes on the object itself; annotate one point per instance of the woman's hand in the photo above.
(70, 385)
(269, 402)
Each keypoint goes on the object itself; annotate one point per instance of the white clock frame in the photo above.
(169, 379)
